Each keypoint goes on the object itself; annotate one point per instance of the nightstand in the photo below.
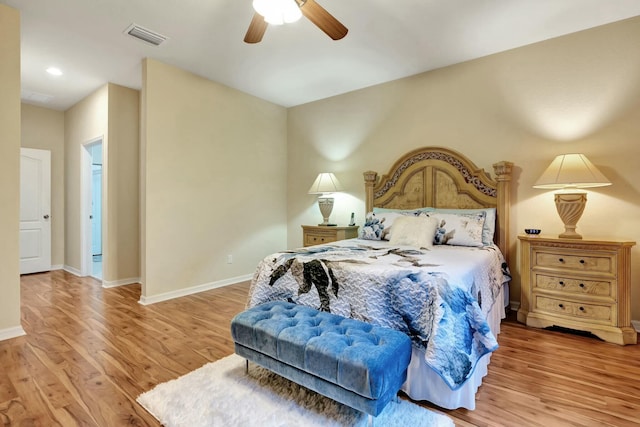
(316, 234)
(577, 284)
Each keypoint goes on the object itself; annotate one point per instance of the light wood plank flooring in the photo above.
(90, 352)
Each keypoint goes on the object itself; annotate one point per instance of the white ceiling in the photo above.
(294, 64)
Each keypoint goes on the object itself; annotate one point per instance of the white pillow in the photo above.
(416, 231)
(458, 229)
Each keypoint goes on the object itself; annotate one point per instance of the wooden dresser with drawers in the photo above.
(577, 284)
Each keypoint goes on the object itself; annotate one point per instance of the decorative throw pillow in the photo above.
(458, 229)
(372, 228)
(489, 227)
(416, 231)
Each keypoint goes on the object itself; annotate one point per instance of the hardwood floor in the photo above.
(89, 352)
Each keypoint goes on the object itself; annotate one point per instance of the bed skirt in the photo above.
(423, 383)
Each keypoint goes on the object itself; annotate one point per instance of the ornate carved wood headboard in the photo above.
(443, 178)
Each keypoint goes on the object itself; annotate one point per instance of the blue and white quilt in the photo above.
(439, 297)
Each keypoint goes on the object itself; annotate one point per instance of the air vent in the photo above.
(30, 96)
(144, 34)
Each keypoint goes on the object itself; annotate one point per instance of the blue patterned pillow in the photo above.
(458, 229)
(489, 227)
(372, 228)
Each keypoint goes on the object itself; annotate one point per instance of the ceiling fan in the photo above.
(309, 8)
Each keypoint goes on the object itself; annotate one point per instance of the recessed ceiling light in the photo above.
(54, 71)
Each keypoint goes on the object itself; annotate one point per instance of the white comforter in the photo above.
(439, 297)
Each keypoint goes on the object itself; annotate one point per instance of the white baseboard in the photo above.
(193, 290)
(72, 270)
(121, 282)
(514, 305)
(57, 267)
(6, 334)
(636, 325)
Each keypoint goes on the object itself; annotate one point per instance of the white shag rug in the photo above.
(221, 394)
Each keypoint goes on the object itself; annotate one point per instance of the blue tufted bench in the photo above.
(350, 361)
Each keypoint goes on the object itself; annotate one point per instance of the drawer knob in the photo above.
(581, 261)
(582, 285)
(561, 283)
(581, 308)
(561, 305)
(560, 259)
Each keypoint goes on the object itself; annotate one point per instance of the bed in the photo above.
(431, 261)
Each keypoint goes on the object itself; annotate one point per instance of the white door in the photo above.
(35, 210)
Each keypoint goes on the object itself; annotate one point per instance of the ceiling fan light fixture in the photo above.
(278, 12)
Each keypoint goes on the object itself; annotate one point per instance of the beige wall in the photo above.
(110, 113)
(577, 93)
(214, 164)
(10, 171)
(84, 122)
(43, 129)
(122, 251)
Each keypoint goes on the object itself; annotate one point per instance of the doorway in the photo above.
(96, 210)
(91, 209)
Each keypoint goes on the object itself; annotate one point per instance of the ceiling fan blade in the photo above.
(323, 20)
(256, 29)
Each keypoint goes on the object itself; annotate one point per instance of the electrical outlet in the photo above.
(229, 259)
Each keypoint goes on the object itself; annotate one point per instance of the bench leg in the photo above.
(370, 421)
(246, 366)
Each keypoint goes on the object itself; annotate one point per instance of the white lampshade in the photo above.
(325, 183)
(277, 12)
(571, 171)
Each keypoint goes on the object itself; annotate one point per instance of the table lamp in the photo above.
(325, 183)
(569, 172)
